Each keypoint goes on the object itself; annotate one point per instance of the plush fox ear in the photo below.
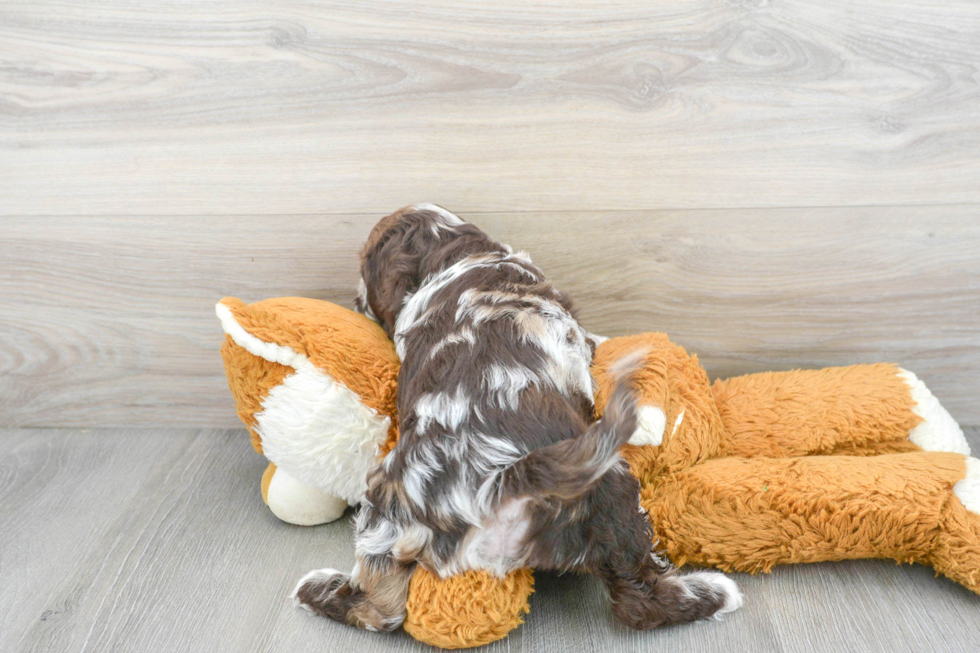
(315, 384)
(353, 349)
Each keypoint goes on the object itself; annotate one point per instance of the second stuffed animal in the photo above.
(747, 473)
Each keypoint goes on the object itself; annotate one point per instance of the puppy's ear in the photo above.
(390, 270)
(392, 259)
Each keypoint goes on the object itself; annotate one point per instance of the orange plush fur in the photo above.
(354, 349)
(749, 472)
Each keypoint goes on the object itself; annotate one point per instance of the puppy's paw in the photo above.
(325, 592)
(674, 599)
(724, 586)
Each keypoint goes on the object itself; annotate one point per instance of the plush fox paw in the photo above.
(295, 502)
(937, 431)
(957, 551)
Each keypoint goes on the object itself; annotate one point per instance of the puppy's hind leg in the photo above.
(645, 590)
(645, 597)
(611, 538)
(374, 595)
(588, 518)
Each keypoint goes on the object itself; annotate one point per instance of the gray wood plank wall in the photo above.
(774, 184)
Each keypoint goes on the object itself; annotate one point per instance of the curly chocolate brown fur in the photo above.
(500, 463)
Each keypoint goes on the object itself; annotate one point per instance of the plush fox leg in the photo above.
(748, 514)
(295, 502)
(855, 410)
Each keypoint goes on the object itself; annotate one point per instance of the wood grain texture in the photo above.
(337, 107)
(158, 540)
(109, 320)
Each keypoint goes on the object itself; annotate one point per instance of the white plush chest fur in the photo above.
(312, 426)
(319, 431)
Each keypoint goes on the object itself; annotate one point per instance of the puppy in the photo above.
(501, 463)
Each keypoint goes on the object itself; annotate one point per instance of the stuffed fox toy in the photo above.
(741, 475)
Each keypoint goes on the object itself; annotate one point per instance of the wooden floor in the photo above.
(158, 540)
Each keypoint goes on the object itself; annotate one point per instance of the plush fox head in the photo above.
(315, 384)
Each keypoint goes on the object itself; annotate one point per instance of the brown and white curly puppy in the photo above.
(501, 463)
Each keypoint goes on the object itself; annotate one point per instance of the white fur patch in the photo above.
(295, 502)
(313, 427)
(413, 539)
(650, 425)
(677, 423)
(450, 218)
(363, 299)
(968, 490)
(521, 269)
(422, 464)
(733, 597)
(414, 480)
(461, 502)
(447, 410)
(559, 336)
(464, 335)
(485, 455)
(505, 384)
(938, 431)
(493, 454)
(496, 546)
(267, 350)
(520, 255)
(416, 304)
(378, 540)
(319, 431)
(322, 575)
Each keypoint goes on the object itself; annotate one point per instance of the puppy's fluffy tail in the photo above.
(565, 470)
